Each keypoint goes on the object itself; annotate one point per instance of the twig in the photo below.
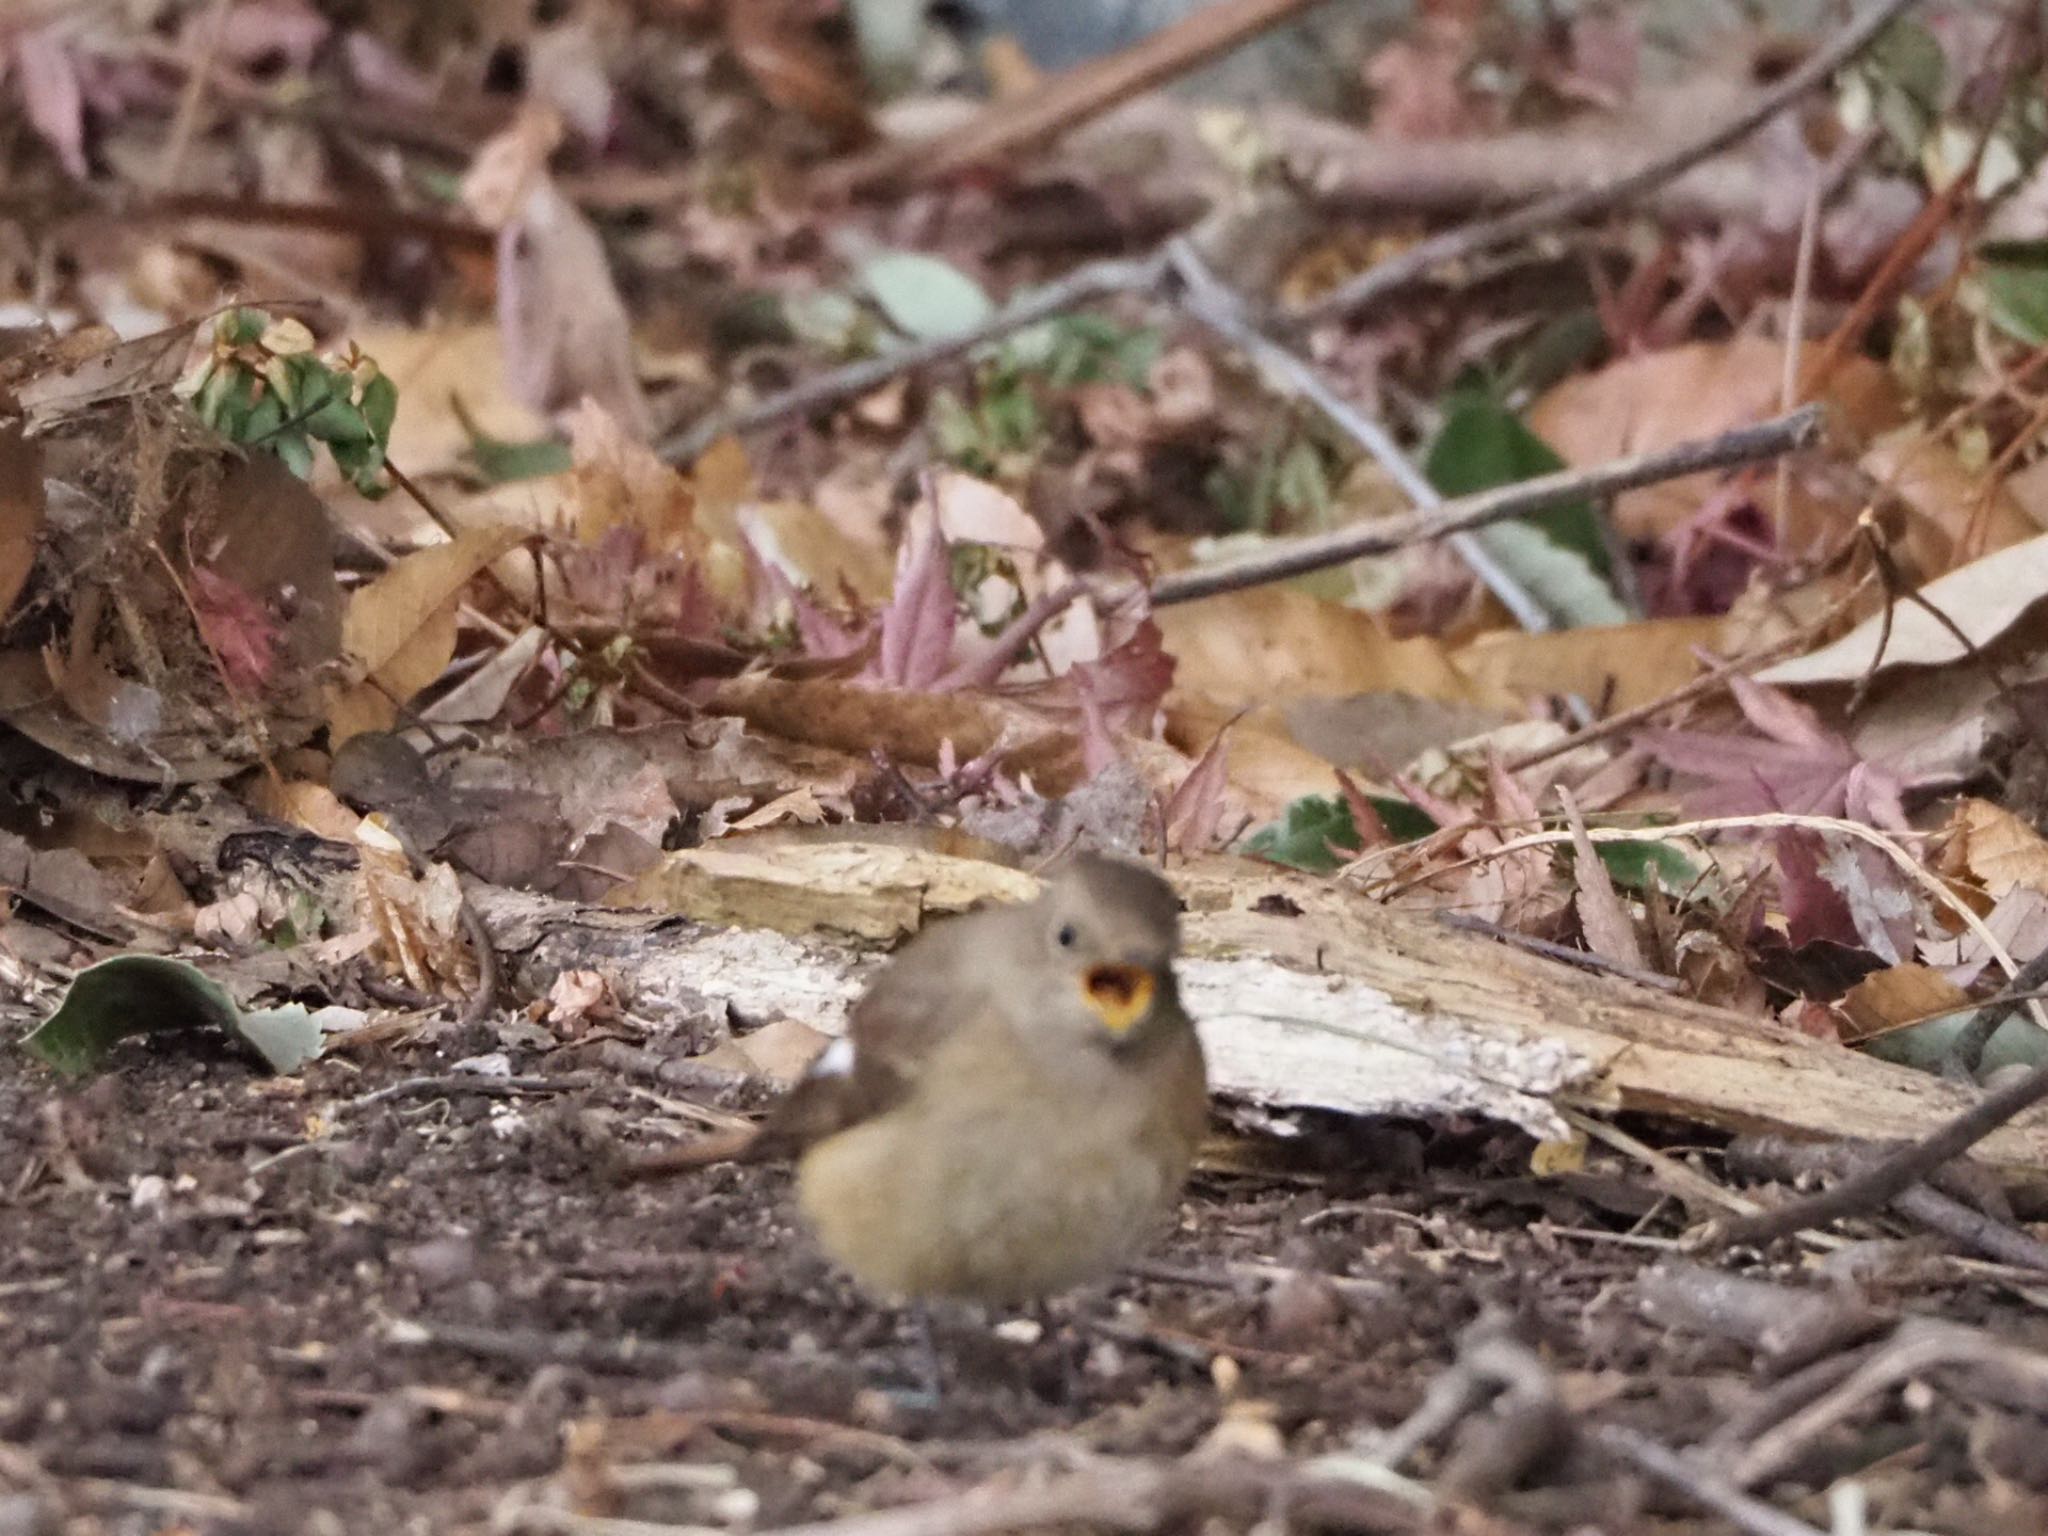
(1067, 100)
(1999, 1368)
(458, 1082)
(1705, 1488)
(1283, 558)
(1710, 681)
(1875, 1186)
(206, 48)
(1584, 959)
(1966, 1051)
(984, 669)
(1131, 1495)
(1971, 1228)
(1756, 821)
(1084, 285)
(1567, 207)
(1205, 298)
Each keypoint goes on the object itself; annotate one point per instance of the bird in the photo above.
(1014, 1106)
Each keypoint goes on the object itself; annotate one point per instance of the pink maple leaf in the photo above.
(1194, 811)
(822, 635)
(51, 92)
(1120, 692)
(238, 627)
(919, 620)
(1794, 763)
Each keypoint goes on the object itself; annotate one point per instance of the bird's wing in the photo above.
(893, 1030)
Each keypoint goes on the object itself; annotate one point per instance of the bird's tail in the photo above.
(739, 1145)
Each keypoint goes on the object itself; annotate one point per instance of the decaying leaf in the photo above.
(135, 994)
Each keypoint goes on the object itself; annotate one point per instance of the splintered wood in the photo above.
(1310, 996)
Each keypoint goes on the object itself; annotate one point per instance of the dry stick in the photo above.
(1567, 207)
(1705, 1488)
(1875, 1186)
(1210, 302)
(1071, 98)
(1283, 558)
(1084, 285)
(1710, 681)
(1967, 1049)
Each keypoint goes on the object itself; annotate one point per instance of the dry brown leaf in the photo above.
(399, 631)
(1656, 399)
(800, 805)
(1982, 600)
(1266, 765)
(1274, 643)
(301, 803)
(21, 512)
(385, 614)
(418, 921)
(2000, 849)
(1609, 931)
(813, 550)
(1958, 510)
(907, 727)
(1619, 666)
(1898, 996)
(779, 1052)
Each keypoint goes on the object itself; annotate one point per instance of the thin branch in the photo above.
(1706, 1488)
(1873, 1187)
(1210, 302)
(1282, 559)
(1071, 98)
(1569, 207)
(1084, 285)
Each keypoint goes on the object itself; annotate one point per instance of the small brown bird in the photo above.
(1015, 1103)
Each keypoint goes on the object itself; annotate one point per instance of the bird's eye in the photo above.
(1068, 936)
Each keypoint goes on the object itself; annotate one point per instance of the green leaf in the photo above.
(924, 297)
(1927, 1045)
(142, 994)
(1482, 445)
(1560, 347)
(1560, 579)
(1636, 864)
(826, 319)
(498, 462)
(2012, 278)
(295, 450)
(380, 406)
(1404, 820)
(1316, 832)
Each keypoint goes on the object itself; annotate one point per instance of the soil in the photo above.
(235, 1303)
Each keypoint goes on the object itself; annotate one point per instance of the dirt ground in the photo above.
(364, 1300)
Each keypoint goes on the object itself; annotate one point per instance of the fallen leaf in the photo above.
(1655, 399)
(1898, 996)
(1983, 600)
(1793, 763)
(1621, 666)
(131, 994)
(2001, 850)
(1270, 644)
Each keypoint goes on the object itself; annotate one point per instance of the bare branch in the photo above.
(1296, 557)
(1567, 207)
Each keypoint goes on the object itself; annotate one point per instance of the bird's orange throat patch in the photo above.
(1119, 995)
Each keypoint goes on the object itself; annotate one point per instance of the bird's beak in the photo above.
(1119, 995)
